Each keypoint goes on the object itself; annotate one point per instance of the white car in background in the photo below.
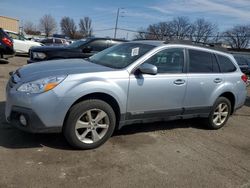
(21, 44)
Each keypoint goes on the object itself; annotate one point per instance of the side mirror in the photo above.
(146, 68)
(87, 49)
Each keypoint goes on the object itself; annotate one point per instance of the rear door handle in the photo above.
(179, 82)
(217, 80)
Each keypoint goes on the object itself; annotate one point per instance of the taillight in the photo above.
(7, 41)
(244, 78)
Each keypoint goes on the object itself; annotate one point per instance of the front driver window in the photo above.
(21, 37)
(13, 35)
(168, 61)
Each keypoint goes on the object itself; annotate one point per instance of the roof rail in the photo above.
(213, 46)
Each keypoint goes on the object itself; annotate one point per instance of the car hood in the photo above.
(59, 67)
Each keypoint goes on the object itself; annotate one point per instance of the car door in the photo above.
(203, 79)
(26, 44)
(160, 95)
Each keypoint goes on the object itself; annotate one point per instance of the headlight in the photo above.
(41, 85)
(39, 55)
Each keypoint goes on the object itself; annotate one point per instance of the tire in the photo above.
(89, 124)
(219, 114)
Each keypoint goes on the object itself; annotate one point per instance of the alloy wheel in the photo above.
(220, 114)
(92, 126)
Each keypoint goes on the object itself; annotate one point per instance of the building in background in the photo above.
(10, 24)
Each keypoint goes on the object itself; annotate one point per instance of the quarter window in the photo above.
(226, 64)
(168, 61)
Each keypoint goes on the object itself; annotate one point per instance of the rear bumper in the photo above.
(34, 124)
(241, 99)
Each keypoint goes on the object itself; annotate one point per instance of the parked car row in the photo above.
(53, 48)
(79, 49)
(21, 44)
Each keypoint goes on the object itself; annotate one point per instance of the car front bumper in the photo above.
(33, 123)
(43, 112)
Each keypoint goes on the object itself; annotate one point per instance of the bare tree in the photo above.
(85, 26)
(48, 24)
(142, 34)
(238, 37)
(68, 27)
(181, 28)
(217, 38)
(202, 30)
(29, 27)
(159, 31)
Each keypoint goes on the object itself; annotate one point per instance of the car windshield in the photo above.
(121, 56)
(77, 43)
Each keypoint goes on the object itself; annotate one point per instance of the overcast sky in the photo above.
(136, 13)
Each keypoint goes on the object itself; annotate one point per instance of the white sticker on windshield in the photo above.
(135, 51)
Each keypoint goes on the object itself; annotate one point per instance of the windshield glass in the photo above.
(122, 55)
(77, 43)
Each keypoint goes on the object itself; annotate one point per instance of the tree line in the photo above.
(48, 25)
(200, 30)
(180, 28)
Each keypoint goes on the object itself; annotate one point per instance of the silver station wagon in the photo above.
(134, 82)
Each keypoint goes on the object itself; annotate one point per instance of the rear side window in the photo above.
(58, 41)
(226, 64)
(47, 41)
(98, 45)
(202, 62)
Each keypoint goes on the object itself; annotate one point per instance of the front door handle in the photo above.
(179, 82)
(217, 80)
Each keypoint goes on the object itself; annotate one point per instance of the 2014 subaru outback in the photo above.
(134, 82)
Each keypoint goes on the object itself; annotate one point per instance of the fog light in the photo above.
(23, 120)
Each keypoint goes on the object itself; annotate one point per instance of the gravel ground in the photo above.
(166, 154)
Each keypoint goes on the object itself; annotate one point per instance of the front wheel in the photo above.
(220, 113)
(89, 124)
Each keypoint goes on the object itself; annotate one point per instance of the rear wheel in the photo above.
(90, 123)
(219, 113)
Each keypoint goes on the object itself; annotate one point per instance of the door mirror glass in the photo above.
(147, 68)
